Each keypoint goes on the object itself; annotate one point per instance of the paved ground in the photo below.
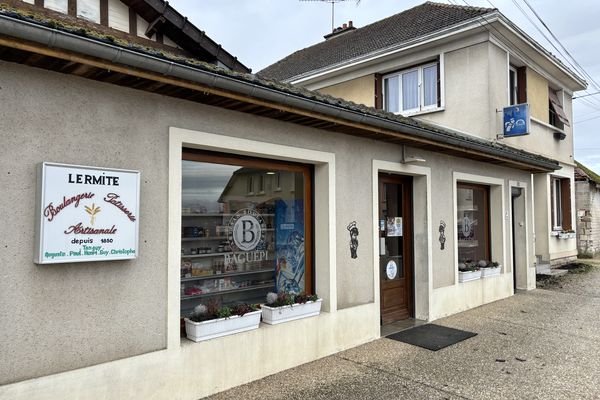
(587, 284)
(542, 344)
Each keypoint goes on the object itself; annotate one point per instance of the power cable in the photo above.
(586, 95)
(586, 120)
(575, 65)
(515, 48)
(594, 104)
(561, 45)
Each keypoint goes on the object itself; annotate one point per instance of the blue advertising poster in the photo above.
(516, 120)
(289, 245)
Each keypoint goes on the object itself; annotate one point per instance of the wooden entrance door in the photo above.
(395, 248)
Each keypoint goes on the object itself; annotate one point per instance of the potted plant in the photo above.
(567, 234)
(283, 307)
(468, 271)
(211, 321)
(489, 269)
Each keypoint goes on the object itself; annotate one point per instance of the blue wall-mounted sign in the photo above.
(516, 120)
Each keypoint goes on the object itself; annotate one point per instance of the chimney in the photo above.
(345, 28)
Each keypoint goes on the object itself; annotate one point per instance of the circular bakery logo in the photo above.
(391, 269)
(246, 229)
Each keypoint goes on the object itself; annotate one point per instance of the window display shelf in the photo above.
(468, 243)
(219, 276)
(215, 254)
(217, 215)
(227, 291)
(194, 239)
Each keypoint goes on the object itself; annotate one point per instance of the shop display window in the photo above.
(245, 229)
(472, 222)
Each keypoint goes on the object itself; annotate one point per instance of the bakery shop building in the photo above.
(159, 175)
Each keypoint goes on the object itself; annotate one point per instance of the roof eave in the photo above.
(466, 25)
(578, 83)
(181, 24)
(244, 86)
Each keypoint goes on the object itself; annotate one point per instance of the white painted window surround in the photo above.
(324, 209)
(413, 90)
(497, 210)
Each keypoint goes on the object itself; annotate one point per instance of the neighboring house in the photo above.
(153, 25)
(457, 67)
(587, 200)
(245, 185)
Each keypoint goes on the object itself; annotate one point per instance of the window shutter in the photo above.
(522, 85)
(565, 193)
(379, 91)
(557, 107)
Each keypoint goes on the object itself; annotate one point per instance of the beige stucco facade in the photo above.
(360, 90)
(474, 86)
(108, 330)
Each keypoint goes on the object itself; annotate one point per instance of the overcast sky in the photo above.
(260, 32)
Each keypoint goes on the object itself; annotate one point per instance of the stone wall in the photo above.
(587, 200)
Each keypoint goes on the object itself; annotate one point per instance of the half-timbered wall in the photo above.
(118, 15)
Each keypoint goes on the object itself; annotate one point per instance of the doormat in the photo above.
(431, 337)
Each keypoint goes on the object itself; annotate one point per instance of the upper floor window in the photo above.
(517, 85)
(556, 114)
(412, 90)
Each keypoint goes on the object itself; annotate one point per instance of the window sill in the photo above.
(421, 112)
(547, 125)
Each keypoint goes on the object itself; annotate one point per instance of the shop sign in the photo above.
(516, 120)
(391, 269)
(246, 229)
(247, 234)
(86, 214)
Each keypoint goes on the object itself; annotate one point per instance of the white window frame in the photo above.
(250, 185)
(513, 90)
(419, 70)
(556, 203)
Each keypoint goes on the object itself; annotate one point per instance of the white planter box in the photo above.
(205, 330)
(485, 272)
(277, 315)
(568, 235)
(469, 276)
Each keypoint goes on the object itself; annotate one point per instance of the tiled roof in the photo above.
(585, 174)
(419, 21)
(372, 114)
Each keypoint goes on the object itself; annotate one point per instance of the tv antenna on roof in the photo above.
(333, 8)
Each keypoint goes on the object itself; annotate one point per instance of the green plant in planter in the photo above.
(287, 299)
(488, 264)
(468, 266)
(212, 310)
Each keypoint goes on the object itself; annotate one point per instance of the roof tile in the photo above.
(386, 33)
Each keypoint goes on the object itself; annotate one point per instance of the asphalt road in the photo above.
(541, 344)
